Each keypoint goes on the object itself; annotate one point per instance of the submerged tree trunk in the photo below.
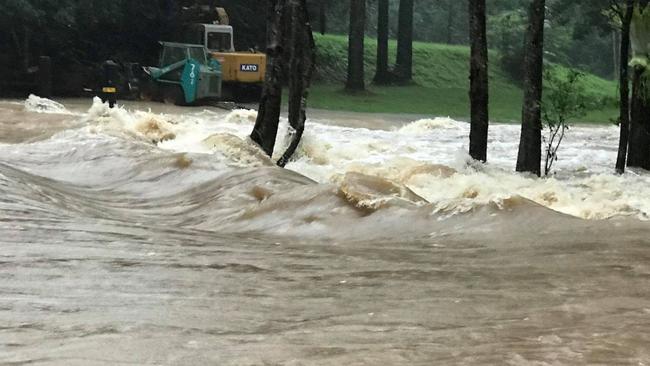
(530, 144)
(268, 116)
(355, 80)
(301, 67)
(639, 151)
(404, 63)
(639, 138)
(382, 75)
(290, 43)
(624, 87)
(478, 94)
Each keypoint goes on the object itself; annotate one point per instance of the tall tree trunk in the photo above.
(301, 67)
(616, 52)
(323, 16)
(355, 80)
(268, 116)
(381, 75)
(639, 138)
(478, 94)
(624, 87)
(450, 20)
(404, 64)
(26, 47)
(639, 145)
(530, 144)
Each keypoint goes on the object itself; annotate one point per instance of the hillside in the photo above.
(440, 84)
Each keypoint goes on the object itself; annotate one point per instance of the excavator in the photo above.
(242, 72)
(202, 65)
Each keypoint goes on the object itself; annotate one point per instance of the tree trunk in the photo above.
(302, 61)
(404, 64)
(382, 76)
(355, 80)
(26, 46)
(624, 87)
(616, 52)
(450, 20)
(323, 16)
(268, 116)
(639, 145)
(530, 144)
(478, 135)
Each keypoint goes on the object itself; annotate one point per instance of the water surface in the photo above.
(163, 237)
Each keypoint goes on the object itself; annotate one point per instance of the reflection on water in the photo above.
(133, 237)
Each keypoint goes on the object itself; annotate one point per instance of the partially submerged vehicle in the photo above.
(184, 75)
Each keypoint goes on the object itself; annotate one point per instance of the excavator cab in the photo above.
(215, 37)
(238, 68)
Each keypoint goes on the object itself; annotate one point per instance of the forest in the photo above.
(81, 34)
(533, 64)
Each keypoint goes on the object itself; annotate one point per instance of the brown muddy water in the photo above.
(154, 235)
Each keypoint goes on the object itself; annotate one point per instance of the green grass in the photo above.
(440, 85)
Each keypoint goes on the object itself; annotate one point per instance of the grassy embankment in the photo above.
(440, 86)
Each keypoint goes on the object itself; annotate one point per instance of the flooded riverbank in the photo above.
(164, 237)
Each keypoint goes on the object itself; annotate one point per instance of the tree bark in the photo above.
(323, 16)
(639, 145)
(450, 21)
(478, 81)
(624, 87)
(530, 144)
(382, 74)
(355, 81)
(26, 47)
(301, 69)
(404, 63)
(268, 116)
(616, 52)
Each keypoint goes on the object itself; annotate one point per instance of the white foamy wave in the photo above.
(593, 198)
(154, 128)
(43, 105)
(425, 125)
(243, 116)
(427, 156)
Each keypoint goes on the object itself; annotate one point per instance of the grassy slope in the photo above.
(441, 84)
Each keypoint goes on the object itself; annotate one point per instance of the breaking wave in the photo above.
(43, 105)
(199, 169)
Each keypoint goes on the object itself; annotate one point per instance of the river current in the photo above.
(157, 235)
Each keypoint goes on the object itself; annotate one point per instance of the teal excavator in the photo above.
(184, 75)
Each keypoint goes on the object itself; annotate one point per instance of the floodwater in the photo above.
(131, 237)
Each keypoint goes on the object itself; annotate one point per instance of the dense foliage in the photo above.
(578, 33)
(79, 34)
